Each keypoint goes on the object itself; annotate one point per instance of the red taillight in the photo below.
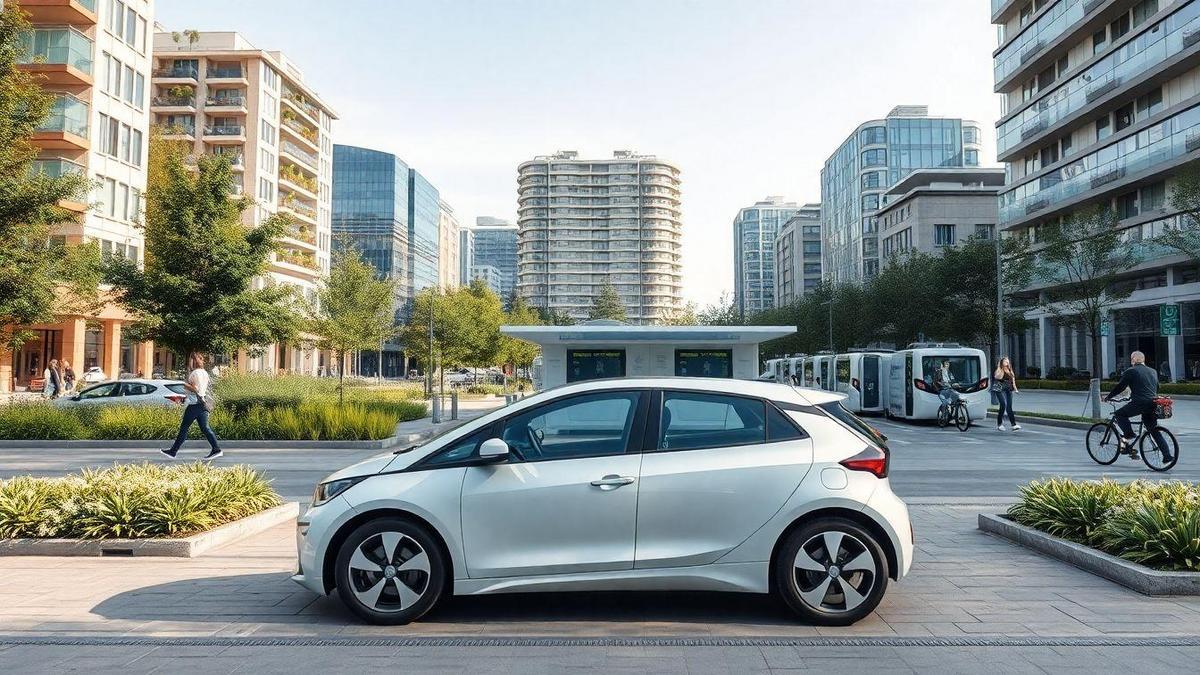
(854, 383)
(176, 398)
(920, 384)
(871, 460)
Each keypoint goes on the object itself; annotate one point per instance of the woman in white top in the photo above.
(196, 410)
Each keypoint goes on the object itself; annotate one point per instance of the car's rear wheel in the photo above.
(832, 572)
(390, 571)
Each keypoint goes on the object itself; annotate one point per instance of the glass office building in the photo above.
(494, 245)
(754, 232)
(868, 163)
(424, 213)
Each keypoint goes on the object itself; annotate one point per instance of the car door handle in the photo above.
(612, 482)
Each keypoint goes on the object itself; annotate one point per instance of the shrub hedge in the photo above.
(132, 501)
(1154, 524)
(1186, 388)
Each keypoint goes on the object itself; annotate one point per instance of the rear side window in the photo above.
(177, 388)
(851, 420)
(692, 421)
(137, 389)
(780, 427)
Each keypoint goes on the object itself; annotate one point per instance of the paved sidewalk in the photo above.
(964, 584)
(1185, 421)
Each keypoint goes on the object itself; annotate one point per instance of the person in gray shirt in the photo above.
(1142, 383)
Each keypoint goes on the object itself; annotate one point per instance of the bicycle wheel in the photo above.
(943, 417)
(1102, 443)
(1153, 455)
(962, 418)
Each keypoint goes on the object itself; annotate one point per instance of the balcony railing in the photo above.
(69, 115)
(178, 72)
(229, 101)
(225, 130)
(58, 46)
(1043, 32)
(55, 168)
(307, 132)
(179, 129)
(299, 152)
(1133, 61)
(174, 101)
(226, 72)
(293, 175)
(299, 101)
(299, 207)
(1141, 152)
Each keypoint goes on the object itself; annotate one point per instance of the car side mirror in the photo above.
(493, 450)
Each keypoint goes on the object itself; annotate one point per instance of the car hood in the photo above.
(367, 467)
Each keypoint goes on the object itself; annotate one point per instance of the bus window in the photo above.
(843, 370)
(964, 370)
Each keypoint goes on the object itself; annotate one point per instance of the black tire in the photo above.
(943, 416)
(1152, 456)
(798, 586)
(962, 418)
(392, 607)
(1102, 443)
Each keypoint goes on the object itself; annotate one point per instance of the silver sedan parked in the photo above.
(128, 392)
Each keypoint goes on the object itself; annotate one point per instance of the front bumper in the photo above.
(314, 529)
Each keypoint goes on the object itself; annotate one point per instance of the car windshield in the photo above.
(963, 370)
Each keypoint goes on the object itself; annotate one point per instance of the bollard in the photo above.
(454, 405)
(435, 405)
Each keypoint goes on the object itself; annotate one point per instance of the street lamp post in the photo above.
(999, 304)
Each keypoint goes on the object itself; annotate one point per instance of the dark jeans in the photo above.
(1005, 399)
(1149, 419)
(194, 413)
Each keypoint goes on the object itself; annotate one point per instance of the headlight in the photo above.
(327, 491)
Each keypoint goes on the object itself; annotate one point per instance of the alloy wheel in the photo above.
(834, 572)
(389, 572)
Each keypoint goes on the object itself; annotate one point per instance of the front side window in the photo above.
(98, 391)
(694, 420)
(580, 426)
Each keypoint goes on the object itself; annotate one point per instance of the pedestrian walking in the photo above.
(68, 376)
(1004, 384)
(53, 377)
(198, 404)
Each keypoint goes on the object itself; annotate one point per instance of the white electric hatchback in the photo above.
(630, 484)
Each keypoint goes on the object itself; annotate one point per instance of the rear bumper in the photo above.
(892, 515)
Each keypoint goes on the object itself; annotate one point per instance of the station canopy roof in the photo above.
(615, 332)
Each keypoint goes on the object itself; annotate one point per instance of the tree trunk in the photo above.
(341, 377)
(1094, 387)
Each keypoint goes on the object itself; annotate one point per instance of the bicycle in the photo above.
(1104, 443)
(957, 411)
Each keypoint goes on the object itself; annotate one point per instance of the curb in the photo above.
(1048, 421)
(186, 547)
(1131, 575)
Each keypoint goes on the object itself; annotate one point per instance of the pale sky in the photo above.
(747, 97)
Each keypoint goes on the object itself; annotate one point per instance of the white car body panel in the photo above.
(691, 520)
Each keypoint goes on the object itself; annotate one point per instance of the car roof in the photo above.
(140, 380)
(764, 389)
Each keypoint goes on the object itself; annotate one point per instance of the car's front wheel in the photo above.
(832, 572)
(390, 571)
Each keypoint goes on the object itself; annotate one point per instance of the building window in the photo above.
(870, 202)
(971, 157)
(943, 235)
(1103, 128)
(873, 136)
(984, 231)
(874, 157)
(971, 135)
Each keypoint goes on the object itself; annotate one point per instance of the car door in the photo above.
(722, 466)
(137, 393)
(566, 499)
(106, 392)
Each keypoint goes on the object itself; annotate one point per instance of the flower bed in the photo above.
(132, 501)
(1152, 524)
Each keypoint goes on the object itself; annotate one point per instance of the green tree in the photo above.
(1185, 196)
(967, 278)
(683, 316)
(721, 313)
(39, 278)
(194, 293)
(554, 317)
(1081, 260)
(466, 327)
(607, 305)
(519, 352)
(353, 309)
(905, 299)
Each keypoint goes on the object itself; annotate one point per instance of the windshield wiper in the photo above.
(404, 450)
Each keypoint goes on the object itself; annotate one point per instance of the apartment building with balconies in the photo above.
(868, 163)
(95, 56)
(585, 223)
(1101, 106)
(754, 232)
(797, 254)
(224, 96)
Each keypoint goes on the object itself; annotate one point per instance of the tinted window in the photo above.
(964, 370)
(691, 420)
(581, 426)
(780, 427)
(98, 391)
(462, 449)
(843, 371)
(851, 420)
(136, 389)
(177, 388)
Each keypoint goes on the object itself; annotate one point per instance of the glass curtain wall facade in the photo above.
(424, 239)
(754, 231)
(370, 213)
(495, 246)
(867, 164)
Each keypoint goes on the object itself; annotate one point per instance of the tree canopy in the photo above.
(607, 305)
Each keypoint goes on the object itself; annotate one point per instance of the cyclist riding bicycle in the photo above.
(942, 382)
(1142, 383)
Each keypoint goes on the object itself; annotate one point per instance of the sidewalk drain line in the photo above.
(602, 642)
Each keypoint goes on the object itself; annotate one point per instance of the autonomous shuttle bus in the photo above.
(862, 376)
(822, 371)
(911, 392)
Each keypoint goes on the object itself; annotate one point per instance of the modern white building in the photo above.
(1101, 106)
(449, 249)
(797, 254)
(876, 155)
(224, 96)
(754, 231)
(584, 223)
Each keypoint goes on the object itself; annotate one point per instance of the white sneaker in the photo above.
(1000, 427)
(1016, 427)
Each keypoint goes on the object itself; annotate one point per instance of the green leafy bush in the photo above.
(39, 421)
(132, 501)
(1153, 524)
(1185, 388)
